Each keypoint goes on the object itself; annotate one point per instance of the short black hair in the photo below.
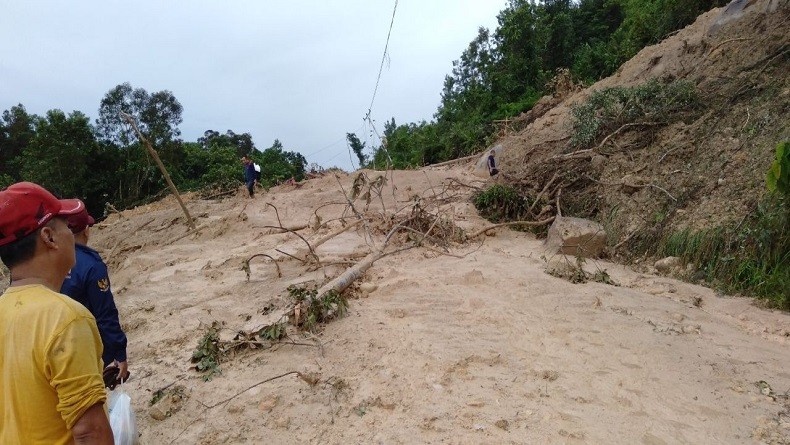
(20, 250)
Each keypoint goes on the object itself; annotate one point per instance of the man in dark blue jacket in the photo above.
(89, 283)
(250, 175)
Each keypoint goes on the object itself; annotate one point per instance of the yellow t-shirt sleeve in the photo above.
(74, 369)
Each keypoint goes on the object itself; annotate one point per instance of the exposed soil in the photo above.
(479, 347)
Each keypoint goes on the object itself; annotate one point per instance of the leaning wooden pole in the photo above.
(155, 155)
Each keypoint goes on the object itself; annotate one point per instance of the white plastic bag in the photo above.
(122, 421)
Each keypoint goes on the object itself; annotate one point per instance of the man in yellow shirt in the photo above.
(51, 387)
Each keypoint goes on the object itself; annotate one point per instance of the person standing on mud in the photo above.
(51, 388)
(250, 175)
(89, 284)
(492, 170)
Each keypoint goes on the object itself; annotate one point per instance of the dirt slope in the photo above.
(481, 347)
(701, 169)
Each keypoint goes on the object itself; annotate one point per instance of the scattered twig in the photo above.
(309, 247)
(668, 194)
(724, 43)
(169, 385)
(189, 232)
(249, 388)
(632, 124)
(111, 207)
(625, 240)
(302, 260)
(249, 271)
(276, 212)
(464, 185)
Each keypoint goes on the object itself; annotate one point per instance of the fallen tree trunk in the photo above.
(338, 284)
(353, 273)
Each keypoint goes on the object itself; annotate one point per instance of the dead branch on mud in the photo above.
(214, 405)
(309, 247)
(540, 195)
(512, 223)
(464, 185)
(724, 43)
(276, 213)
(246, 266)
(559, 212)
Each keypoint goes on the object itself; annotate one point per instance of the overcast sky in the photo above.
(300, 71)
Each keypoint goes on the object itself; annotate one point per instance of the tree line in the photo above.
(104, 162)
(503, 73)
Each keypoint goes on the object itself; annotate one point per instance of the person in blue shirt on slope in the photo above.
(250, 175)
(89, 283)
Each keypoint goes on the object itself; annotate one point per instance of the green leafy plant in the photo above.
(602, 276)
(778, 177)
(157, 396)
(207, 354)
(319, 309)
(273, 332)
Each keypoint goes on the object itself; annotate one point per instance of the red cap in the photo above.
(79, 221)
(25, 207)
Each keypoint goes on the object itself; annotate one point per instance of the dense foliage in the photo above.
(503, 73)
(106, 164)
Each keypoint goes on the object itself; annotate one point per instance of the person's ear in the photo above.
(48, 236)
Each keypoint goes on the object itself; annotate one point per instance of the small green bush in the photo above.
(501, 203)
(607, 110)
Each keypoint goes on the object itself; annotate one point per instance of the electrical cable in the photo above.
(383, 58)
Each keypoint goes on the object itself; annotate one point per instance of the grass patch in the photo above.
(752, 257)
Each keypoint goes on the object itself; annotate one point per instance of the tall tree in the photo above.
(278, 165)
(16, 132)
(357, 147)
(158, 115)
(56, 157)
(241, 142)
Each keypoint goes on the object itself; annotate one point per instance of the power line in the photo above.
(378, 79)
(334, 143)
(383, 58)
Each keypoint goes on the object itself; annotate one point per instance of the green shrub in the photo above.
(501, 203)
(607, 110)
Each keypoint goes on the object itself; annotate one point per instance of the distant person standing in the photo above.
(51, 388)
(89, 283)
(250, 175)
(492, 170)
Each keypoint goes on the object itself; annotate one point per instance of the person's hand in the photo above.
(115, 373)
(123, 370)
